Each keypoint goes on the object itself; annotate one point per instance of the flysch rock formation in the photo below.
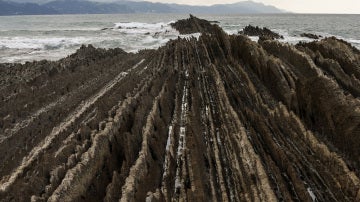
(218, 118)
(264, 33)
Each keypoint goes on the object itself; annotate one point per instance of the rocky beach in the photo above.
(214, 118)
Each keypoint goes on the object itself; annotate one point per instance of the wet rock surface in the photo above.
(221, 118)
(264, 32)
(194, 25)
(311, 36)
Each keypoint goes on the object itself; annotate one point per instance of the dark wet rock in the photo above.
(264, 38)
(216, 119)
(194, 25)
(311, 36)
(157, 34)
(344, 71)
(261, 32)
(339, 50)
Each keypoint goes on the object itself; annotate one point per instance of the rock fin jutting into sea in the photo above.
(214, 118)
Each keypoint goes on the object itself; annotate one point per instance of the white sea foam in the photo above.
(140, 25)
(40, 43)
(21, 49)
(39, 39)
(189, 36)
(254, 38)
(140, 35)
(354, 42)
(231, 31)
(144, 28)
(130, 36)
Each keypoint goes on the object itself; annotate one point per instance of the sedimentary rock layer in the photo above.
(219, 118)
(264, 32)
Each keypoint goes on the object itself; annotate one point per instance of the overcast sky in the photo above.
(298, 6)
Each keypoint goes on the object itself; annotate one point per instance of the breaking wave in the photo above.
(54, 42)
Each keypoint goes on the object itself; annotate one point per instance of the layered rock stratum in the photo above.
(264, 32)
(218, 118)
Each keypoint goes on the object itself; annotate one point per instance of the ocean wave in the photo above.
(21, 49)
(144, 28)
(130, 36)
(3, 47)
(355, 42)
(292, 36)
(141, 25)
(41, 43)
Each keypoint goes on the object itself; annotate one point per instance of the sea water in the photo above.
(27, 38)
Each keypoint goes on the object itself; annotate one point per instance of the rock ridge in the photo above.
(218, 118)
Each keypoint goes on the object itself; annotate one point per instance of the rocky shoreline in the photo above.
(219, 118)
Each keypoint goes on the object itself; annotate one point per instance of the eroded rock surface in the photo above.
(264, 32)
(221, 118)
(311, 36)
(194, 25)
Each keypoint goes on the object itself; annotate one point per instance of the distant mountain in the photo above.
(149, 7)
(12, 8)
(244, 7)
(92, 7)
(87, 7)
(255, 7)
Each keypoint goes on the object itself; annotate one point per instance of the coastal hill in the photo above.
(92, 7)
(214, 118)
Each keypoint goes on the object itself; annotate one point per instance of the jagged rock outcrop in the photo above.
(311, 36)
(194, 25)
(221, 118)
(264, 32)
